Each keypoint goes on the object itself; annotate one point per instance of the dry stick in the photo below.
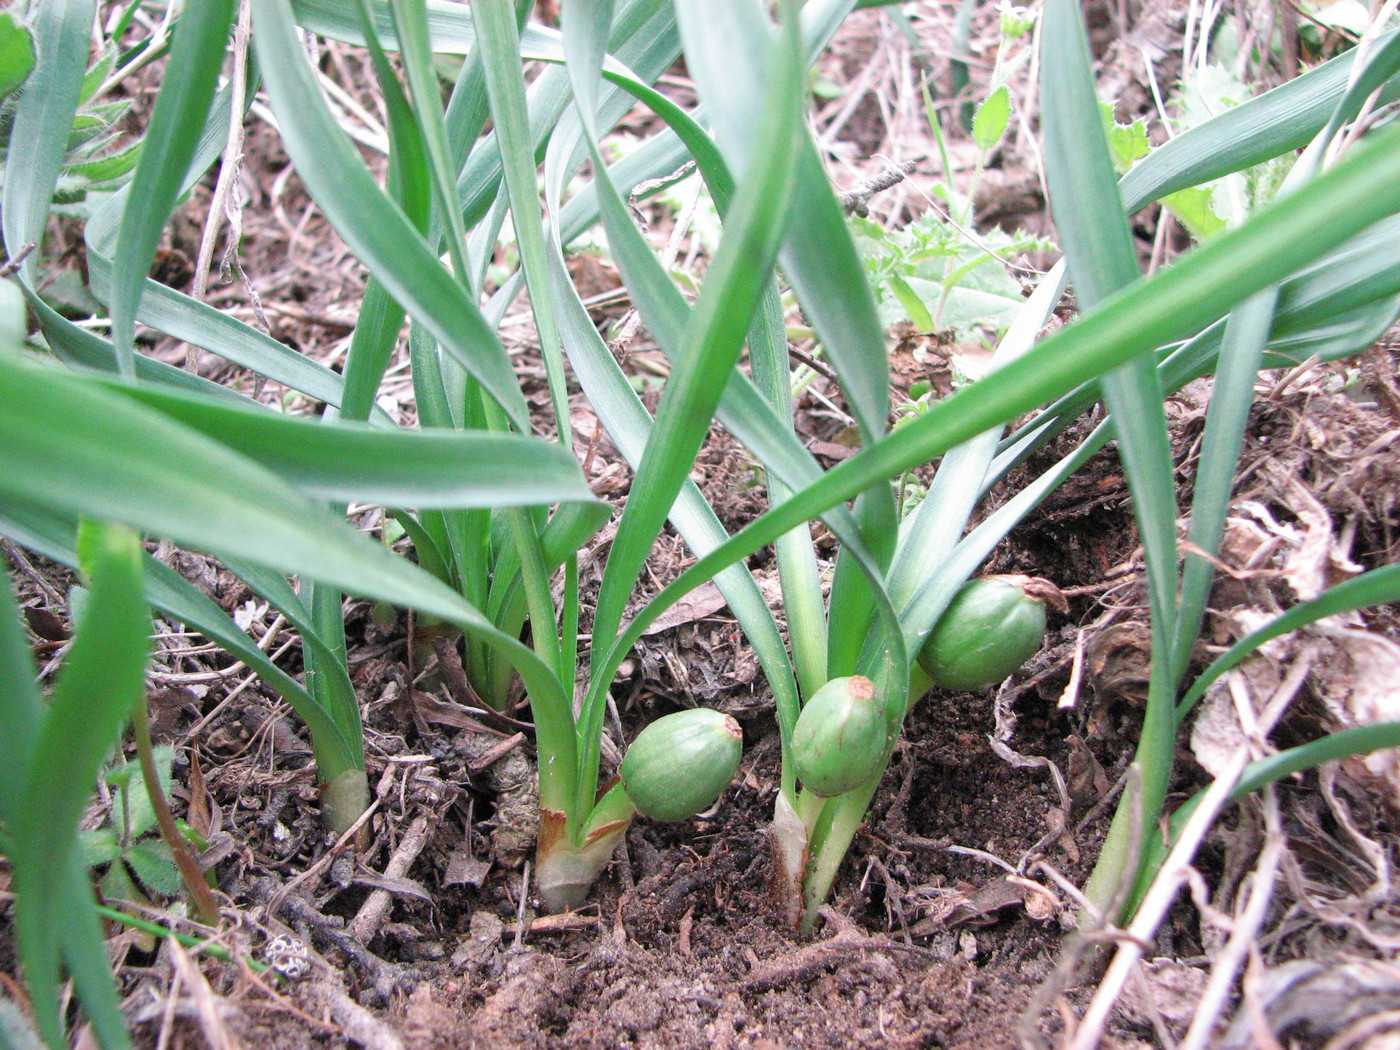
(12, 265)
(228, 170)
(190, 875)
(238, 689)
(275, 901)
(1154, 906)
(371, 915)
(206, 1004)
(1227, 964)
(857, 199)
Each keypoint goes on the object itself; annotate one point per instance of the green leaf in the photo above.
(1273, 123)
(154, 867)
(1377, 587)
(1343, 744)
(105, 170)
(54, 537)
(369, 222)
(499, 44)
(199, 324)
(101, 680)
(133, 813)
(991, 118)
(20, 716)
(381, 317)
(98, 846)
(43, 116)
(16, 54)
(1203, 284)
(126, 462)
(912, 303)
(20, 706)
(354, 461)
(170, 142)
(1098, 248)
(714, 338)
(1194, 208)
(1127, 143)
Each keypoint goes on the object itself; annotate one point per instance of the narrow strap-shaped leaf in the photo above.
(187, 319)
(1241, 352)
(42, 118)
(1334, 747)
(922, 560)
(129, 463)
(20, 716)
(499, 45)
(620, 410)
(20, 704)
(628, 424)
(799, 575)
(1376, 587)
(714, 339)
(1382, 65)
(187, 90)
(1231, 397)
(55, 536)
(449, 24)
(102, 678)
(819, 257)
(666, 314)
(1267, 126)
(85, 954)
(1359, 273)
(381, 317)
(1202, 284)
(431, 468)
(81, 349)
(1098, 246)
(371, 224)
(1094, 231)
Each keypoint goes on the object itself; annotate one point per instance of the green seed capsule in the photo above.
(839, 741)
(681, 763)
(991, 628)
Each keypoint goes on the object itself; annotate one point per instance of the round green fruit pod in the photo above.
(991, 627)
(681, 763)
(839, 741)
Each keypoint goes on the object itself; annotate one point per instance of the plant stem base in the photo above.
(565, 872)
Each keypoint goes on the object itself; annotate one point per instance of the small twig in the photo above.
(1232, 956)
(811, 362)
(13, 264)
(856, 201)
(1154, 906)
(324, 862)
(370, 917)
(520, 908)
(190, 875)
(222, 202)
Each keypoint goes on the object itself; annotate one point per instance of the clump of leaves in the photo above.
(92, 158)
(1206, 209)
(129, 845)
(940, 276)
